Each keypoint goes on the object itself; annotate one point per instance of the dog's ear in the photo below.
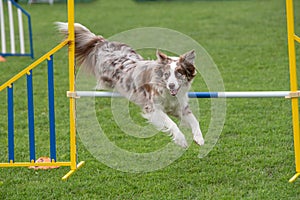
(187, 61)
(161, 57)
(188, 57)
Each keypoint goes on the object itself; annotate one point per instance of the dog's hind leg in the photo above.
(164, 123)
(189, 118)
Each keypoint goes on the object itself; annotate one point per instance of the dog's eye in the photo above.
(178, 74)
(166, 74)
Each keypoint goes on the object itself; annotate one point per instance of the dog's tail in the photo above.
(86, 44)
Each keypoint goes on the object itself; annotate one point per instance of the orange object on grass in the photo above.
(43, 160)
(2, 59)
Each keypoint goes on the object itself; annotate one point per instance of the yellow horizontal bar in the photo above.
(33, 65)
(29, 164)
(297, 38)
(65, 177)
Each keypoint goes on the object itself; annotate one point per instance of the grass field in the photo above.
(254, 156)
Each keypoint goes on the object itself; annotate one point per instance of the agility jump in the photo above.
(293, 94)
(24, 38)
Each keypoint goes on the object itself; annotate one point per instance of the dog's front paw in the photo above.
(199, 139)
(180, 140)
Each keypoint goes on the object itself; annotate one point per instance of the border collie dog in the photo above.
(160, 87)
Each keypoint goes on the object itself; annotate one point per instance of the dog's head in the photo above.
(176, 72)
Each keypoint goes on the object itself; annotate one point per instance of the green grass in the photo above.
(254, 156)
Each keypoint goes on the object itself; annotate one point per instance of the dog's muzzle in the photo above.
(173, 90)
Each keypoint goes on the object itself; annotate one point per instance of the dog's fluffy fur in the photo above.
(159, 86)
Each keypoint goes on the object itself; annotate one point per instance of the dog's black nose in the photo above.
(171, 85)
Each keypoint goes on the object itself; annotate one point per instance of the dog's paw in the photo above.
(199, 139)
(180, 140)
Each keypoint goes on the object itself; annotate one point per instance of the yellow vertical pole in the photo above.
(72, 83)
(293, 84)
(71, 39)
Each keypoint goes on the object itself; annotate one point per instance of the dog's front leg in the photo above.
(164, 123)
(189, 118)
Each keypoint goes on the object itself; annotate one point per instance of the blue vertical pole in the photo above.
(30, 116)
(10, 118)
(51, 109)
